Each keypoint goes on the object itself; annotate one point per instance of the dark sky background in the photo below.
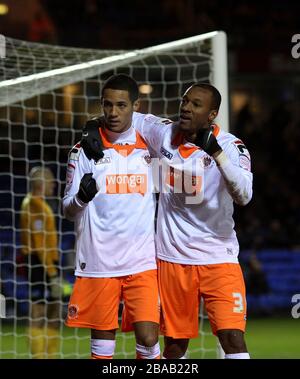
(265, 26)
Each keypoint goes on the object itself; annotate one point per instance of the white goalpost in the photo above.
(46, 95)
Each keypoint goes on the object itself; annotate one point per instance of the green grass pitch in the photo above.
(273, 338)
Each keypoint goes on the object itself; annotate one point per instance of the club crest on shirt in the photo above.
(207, 161)
(146, 159)
(73, 311)
(82, 265)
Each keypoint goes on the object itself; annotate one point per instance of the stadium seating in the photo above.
(281, 268)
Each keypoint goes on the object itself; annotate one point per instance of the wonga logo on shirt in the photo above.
(126, 183)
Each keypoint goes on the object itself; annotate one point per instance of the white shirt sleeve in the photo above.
(152, 129)
(235, 164)
(78, 165)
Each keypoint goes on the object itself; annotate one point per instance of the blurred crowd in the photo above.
(265, 25)
(134, 23)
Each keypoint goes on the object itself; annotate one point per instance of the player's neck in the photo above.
(190, 137)
(128, 134)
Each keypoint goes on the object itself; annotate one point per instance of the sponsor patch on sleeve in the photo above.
(166, 121)
(157, 120)
(70, 173)
(244, 155)
(75, 153)
(163, 121)
(245, 162)
(150, 118)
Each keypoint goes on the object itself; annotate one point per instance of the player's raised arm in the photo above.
(235, 168)
(234, 164)
(152, 128)
(91, 141)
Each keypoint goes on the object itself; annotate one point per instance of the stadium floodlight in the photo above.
(46, 94)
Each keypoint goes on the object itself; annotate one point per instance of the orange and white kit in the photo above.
(181, 286)
(199, 232)
(114, 231)
(95, 301)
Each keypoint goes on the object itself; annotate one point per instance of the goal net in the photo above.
(46, 95)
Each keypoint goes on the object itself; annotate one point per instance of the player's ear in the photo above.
(212, 115)
(136, 105)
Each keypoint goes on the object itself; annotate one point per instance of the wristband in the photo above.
(221, 159)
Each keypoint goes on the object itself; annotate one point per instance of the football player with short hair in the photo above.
(109, 196)
(206, 171)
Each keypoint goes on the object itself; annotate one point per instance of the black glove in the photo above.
(87, 188)
(207, 141)
(91, 141)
